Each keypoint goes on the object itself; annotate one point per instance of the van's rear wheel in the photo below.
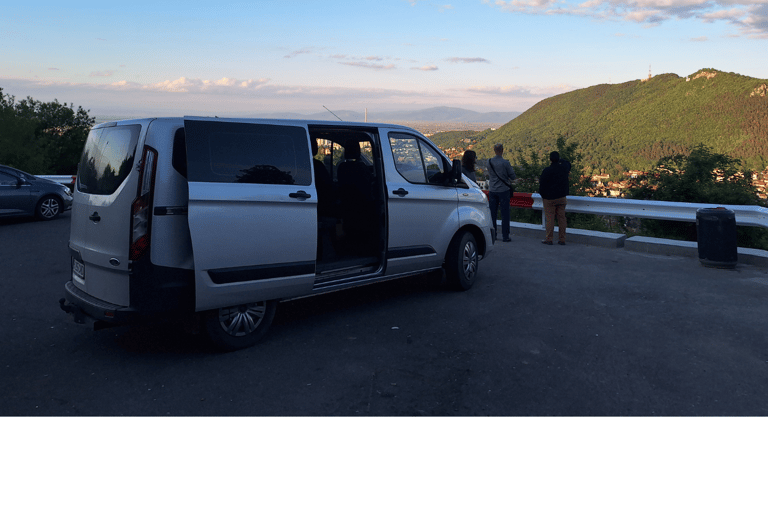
(461, 262)
(241, 326)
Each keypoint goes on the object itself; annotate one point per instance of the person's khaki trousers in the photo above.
(555, 208)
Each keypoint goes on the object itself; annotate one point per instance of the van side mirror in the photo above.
(456, 171)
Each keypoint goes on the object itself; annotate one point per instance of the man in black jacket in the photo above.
(553, 187)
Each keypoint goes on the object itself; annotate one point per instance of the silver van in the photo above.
(220, 219)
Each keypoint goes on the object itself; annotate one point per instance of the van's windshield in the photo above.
(107, 158)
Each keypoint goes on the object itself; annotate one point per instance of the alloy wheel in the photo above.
(469, 260)
(49, 208)
(242, 320)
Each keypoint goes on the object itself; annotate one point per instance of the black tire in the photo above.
(461, 262)
(48, 208)
(241, 326)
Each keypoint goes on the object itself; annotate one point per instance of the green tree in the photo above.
(703, 176)
(42, 137)
(528, 168)
(19, 147)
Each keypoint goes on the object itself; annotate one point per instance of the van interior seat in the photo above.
(358, 198)
(326, 193)
(355, 182)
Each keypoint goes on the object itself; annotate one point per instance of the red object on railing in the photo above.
(519, 199)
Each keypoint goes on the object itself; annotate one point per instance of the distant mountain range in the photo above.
(436, 115)
(428, 115)
(630, 126)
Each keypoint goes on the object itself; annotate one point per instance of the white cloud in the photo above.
(231, 96)
(755, 23)
(518, 91)
(467, 60)
(368, 65)
(749, 16)
(121, 85)
(526, 6)
(296, 53)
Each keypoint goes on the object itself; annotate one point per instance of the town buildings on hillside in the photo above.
(604, 186)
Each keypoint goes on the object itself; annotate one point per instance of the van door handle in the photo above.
(400, 192)
(300, 195)
(95, 217)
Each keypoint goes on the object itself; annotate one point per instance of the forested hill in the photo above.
(631, 125)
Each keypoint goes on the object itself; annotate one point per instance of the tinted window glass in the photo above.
(107, 159)
(433, 164)
(8, 180)
(247, 153)
(17, 173)
(416, 161)
(407, 156)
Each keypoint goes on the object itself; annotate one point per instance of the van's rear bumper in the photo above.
(83, 305)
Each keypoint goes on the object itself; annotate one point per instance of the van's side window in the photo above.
(415, 160)
(247, 153)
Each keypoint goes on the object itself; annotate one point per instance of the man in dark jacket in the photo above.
(553, 187)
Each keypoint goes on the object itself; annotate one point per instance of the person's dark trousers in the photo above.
(500, 200)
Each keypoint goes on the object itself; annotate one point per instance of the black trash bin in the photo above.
(716, 234)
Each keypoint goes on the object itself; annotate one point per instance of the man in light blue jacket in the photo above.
(501, 177)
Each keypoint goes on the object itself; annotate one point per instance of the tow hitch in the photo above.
(74, 310)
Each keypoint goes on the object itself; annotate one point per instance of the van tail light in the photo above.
(141, 207)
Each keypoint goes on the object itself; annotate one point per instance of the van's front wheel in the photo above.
(241, 326)
(461, 262)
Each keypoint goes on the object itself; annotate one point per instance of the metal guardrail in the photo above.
(664, 210)
(64, 179)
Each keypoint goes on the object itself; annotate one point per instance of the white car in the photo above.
(220, 219)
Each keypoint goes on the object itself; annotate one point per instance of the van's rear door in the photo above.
(100, 231)
(252, 211)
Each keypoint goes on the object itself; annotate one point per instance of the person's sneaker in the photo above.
(546, 242)
(507, 240)
(560, 243)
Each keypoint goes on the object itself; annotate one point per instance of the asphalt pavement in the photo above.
(571, 330)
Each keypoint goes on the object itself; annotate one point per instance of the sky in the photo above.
(243, 58)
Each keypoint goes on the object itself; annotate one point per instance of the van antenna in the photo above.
(329, 110)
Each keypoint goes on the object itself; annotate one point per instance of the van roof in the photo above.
(292, 122)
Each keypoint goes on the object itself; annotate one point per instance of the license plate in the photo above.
(78, 269)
